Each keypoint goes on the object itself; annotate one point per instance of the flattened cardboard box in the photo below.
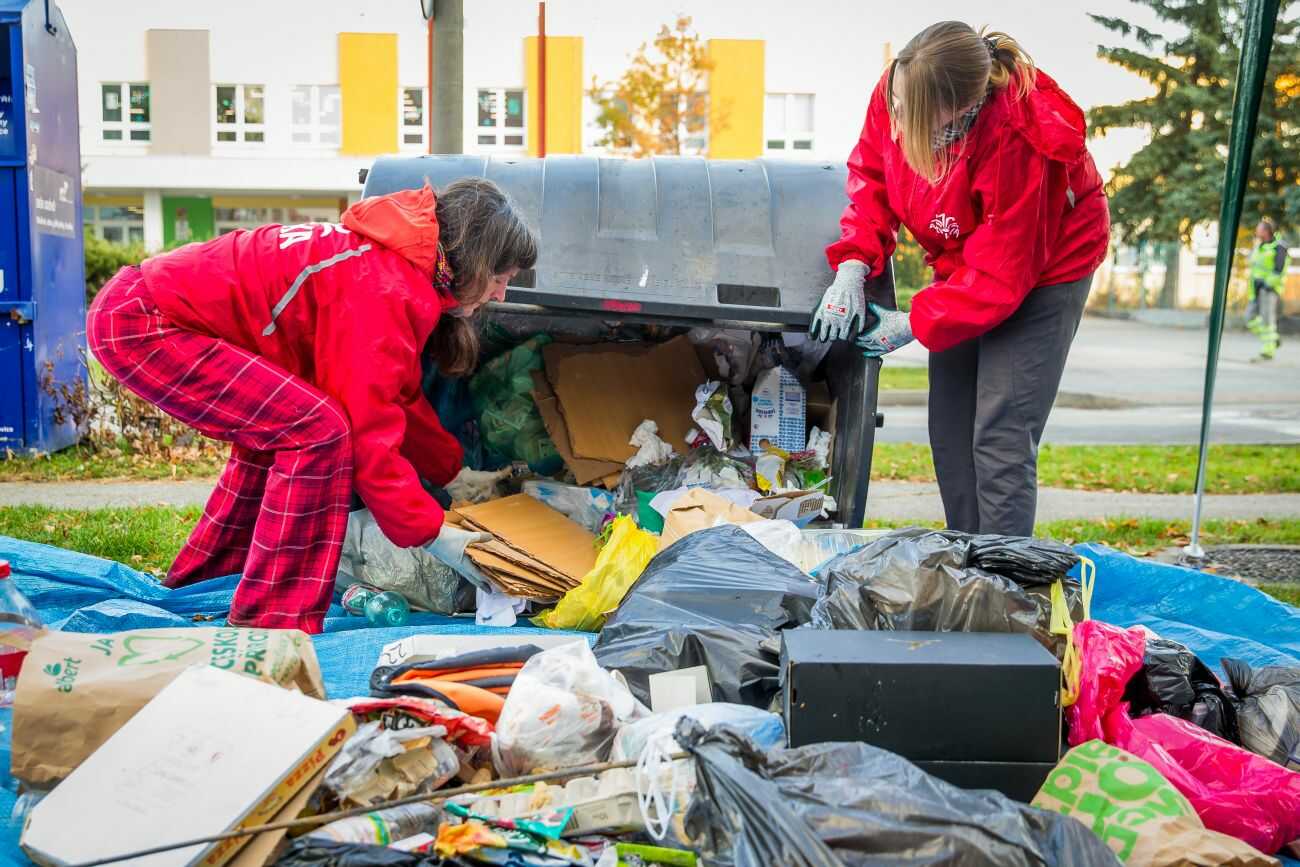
(607, 389)
(212, 752)
(539, 531)
(548, 406)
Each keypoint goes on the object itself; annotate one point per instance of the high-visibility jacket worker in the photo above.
(1267, 267)
(982, 157)
(302, 347)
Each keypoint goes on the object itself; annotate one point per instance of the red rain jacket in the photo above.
(349, 309)
(1022, 207)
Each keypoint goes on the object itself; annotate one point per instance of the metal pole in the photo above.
(541, 78)
(1258, 25)
(428, 91)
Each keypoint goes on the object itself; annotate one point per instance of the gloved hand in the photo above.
(842, 312)
(477, 486)
(893, 330)
(449, 547)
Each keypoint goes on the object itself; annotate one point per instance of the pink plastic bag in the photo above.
(1233, 791)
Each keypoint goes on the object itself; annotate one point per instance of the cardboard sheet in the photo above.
(699, 509)
(538, 531)
(245, 748)
(548, 406)
(605, 390)
(259, 850)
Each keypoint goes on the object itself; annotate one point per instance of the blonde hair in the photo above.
(947, 67)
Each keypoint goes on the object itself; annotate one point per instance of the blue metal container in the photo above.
(42, 265)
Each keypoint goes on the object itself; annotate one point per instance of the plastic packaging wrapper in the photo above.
(764, 728)
(1233, 790)
(1140, 816)
(511, 426)
(586, 506)
(1022, 559)
(712, 414)
(379, 764)
(1269, 710)
(563, 711)
(917, 579)
(828, 805)
(368, 557)
(622, 560)
(1174, 681)
(715, 598)
(783, 539)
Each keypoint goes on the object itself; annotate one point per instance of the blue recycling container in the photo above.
(42, 264)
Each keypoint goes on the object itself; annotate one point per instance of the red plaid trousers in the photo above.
(280, 509)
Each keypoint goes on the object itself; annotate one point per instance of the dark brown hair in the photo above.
(482, 234)
(948, 66)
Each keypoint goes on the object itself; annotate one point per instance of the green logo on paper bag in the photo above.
(64, 673)
(149, 649)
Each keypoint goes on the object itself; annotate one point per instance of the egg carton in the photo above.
(605, 803)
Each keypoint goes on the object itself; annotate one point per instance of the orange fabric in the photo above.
(404, 222)
(470, 699)
(459, 674)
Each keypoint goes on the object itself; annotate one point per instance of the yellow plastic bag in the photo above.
(1063, 624)
(618, 565)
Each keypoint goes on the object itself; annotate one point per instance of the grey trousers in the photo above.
(989, 401)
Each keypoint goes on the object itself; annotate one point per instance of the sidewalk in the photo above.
(895, 501)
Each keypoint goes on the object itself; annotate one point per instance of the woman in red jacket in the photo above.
(301, 346)
(982, 157)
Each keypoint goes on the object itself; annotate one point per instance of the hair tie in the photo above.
(992, 45)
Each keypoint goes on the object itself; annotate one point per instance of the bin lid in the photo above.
(684, 237)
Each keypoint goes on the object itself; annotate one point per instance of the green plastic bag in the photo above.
(622, 560)
(510, 425)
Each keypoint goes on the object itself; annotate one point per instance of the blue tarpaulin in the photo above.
(1214, 616)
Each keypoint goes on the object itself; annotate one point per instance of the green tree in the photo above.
(659, 104)
(1173, 183)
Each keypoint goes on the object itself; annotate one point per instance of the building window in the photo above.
(229, 219)
(118, 224)
(500, 117)
(315, 118)
(414, 123)
(124, 111)
(241, 112)
(788, 122)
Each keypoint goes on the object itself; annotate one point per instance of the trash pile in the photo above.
(724, 683)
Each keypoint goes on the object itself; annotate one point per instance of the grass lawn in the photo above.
(1147, 469)
(79, 463)
(898, 377)
(147, 538)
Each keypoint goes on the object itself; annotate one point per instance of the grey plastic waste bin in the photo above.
(729, 243)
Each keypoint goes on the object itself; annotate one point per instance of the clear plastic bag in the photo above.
(364, 772)
(368, 557)
(563, 710)
(764, 728)
(586, 506)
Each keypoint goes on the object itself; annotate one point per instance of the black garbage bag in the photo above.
(931, 580)
(1174, 681)
(715, 598)
(319, 852)
(826, 805)
(1268, 712)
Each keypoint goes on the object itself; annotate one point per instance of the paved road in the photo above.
(1161, 371)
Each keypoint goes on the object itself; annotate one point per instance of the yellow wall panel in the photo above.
(564, 94)
(736, 87)
(111, 200)
(368, 89)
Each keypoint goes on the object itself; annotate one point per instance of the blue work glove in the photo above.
(449, 548)
(842, 312)
(893, 330)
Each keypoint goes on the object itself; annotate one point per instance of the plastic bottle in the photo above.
(382, 826)
(380, 608)
(14, 608)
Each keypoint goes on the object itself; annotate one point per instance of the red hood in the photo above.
(1049, 120)
(404, 222)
